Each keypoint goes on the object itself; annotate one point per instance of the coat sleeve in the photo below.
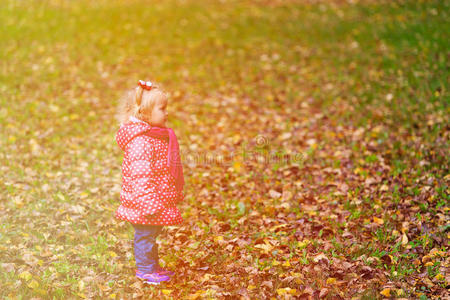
(145, 188)
(180, 196)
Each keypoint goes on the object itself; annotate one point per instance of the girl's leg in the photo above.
(146, 248)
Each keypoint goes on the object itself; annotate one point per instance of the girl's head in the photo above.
(147, 105)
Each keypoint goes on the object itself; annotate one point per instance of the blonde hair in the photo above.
(139, 103)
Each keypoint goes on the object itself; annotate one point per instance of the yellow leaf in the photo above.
(81, 295)
(285, 291)
(166, 292)
(274, 228)
(439, 277)
(265, 247)
(33, 284)
(358, 170)
(60, 196)
(331, 280)
(19, 203)
(41, 292)
(386, 292)
(292, 291)
(281, 292)
(286, 264)
(218, 238)
(112, 253)
(303, 244)
(312, 213)
(207, 277)
(275, 263)
(251, 287)
(384, 188)
(378, 221)
(54, 108)
(299, 281)
(34, 146)
(237, 166)
(25, 275)
(428, 264)
(112, 296)
(404, 239)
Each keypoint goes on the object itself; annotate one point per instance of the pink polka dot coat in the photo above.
(148, 194)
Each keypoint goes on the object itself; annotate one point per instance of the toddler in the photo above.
(152, 175)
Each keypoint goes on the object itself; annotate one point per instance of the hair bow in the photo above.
(146, 85)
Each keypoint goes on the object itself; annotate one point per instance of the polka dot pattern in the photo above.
(148, 194)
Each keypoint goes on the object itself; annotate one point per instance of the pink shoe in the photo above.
(152, 278)
(162, 271)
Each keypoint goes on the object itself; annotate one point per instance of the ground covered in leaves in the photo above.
(313, 138)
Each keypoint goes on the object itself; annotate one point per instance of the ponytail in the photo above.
(138, 99)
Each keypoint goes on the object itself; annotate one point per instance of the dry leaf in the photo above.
(386, 292)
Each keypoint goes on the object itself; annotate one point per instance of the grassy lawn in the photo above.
(353, 93)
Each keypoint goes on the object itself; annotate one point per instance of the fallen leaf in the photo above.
(439, 277)
(286, 264)
(286, 291)
(378, 221)
(404, 239)
(319, 257)
(323, 293)
(274, 194)
(386, 292)
(33, 284)
(25, 275)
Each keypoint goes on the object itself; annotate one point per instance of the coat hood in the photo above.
(128, 131)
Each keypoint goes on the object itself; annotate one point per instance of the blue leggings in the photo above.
(145, 247)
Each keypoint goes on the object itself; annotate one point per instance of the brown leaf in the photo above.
(323, 293)
(267, 284)
(321, 257)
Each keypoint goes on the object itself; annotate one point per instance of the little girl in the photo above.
(152, 175)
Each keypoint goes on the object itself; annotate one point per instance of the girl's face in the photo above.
(159, 114)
